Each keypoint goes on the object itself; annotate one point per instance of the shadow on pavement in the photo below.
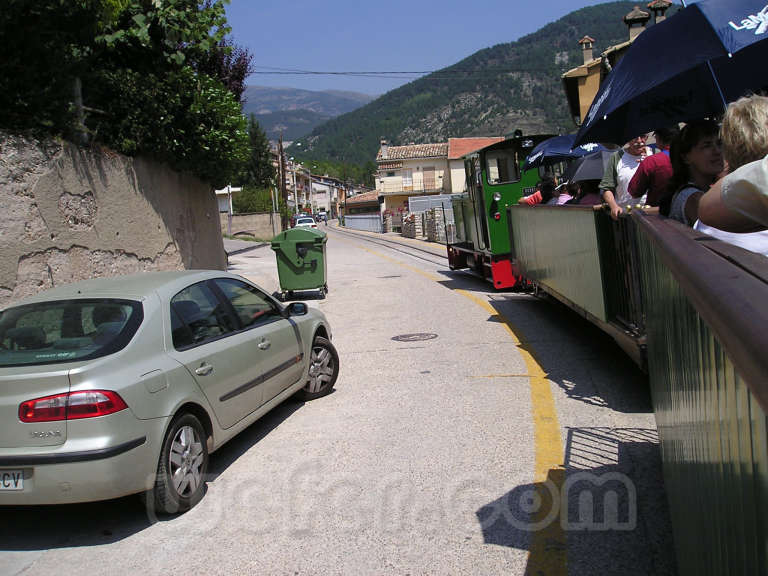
(606, 513)
(579, 357)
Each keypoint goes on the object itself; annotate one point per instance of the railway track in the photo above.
(407, 249)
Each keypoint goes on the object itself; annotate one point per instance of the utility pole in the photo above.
(283, 189)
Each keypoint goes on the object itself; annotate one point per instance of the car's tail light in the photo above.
(71, 406)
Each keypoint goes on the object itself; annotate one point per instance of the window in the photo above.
(197, 316)
(67, 330)
(252, 306)
(390, 174)
(407, 179)
(502, 167)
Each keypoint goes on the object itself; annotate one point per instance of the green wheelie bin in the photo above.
(301, 262)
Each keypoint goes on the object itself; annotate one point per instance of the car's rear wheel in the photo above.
(180, 480)
(323, 370)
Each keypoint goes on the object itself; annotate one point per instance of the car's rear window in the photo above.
(305, 221)
(66, 330)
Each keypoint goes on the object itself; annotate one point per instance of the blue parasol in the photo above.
(558, 149)
(688, 66)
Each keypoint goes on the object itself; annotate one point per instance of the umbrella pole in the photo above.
(717, 85)
(712, 72)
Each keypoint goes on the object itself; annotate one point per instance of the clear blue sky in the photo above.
(389, 35)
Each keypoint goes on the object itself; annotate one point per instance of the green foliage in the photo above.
(177, 31)
(154, 79)
(492, 92)
(258, 170)
(251, 199)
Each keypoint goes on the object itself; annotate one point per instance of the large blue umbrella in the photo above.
(558, 149)
(688, 66)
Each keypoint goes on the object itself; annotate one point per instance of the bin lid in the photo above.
(297, 235)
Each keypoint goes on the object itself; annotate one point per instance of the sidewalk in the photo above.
(232, 247)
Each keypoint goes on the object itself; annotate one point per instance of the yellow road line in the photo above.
(547, 555)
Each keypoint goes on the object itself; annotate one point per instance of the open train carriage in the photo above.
(587, 261)
(495, 180)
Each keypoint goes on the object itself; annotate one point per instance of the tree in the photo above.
(258, 171)
(158, 78)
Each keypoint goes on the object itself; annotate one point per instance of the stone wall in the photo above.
(256, 225)
(71, 213)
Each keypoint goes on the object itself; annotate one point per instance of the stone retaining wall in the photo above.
(262, 226)
(72, 213)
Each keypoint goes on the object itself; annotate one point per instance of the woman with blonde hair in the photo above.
(739, 202)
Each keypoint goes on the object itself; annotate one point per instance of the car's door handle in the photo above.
(264, 344)
(204, 369)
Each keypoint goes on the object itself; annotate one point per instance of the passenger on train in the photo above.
(697, 162)
(585, 193)
(654, 173)
(624, 163)
(561, 195)
(544, 192)
(739, 202)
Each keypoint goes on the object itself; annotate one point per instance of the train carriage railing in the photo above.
(702, 304)
(707, 325)
(620, 268)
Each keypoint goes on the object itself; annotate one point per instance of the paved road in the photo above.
(436, 454)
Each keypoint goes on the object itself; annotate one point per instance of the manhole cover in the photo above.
(418, 337)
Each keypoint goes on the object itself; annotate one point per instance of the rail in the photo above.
(621, 276)
(708, 361)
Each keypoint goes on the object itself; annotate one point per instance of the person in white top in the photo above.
(739, 202)
(615, 182)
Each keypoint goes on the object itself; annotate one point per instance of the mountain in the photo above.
(294, 112)
(494, 91)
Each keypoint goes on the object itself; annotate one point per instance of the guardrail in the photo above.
(707, 324)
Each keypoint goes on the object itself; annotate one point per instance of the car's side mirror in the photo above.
(297, 309)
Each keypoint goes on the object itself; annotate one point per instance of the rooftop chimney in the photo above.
(384, 150)
(586, 48)
(659, 9)
(636, 21)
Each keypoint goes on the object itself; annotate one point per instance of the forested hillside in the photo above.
(492, 92)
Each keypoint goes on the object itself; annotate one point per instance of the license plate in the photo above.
(11, 480)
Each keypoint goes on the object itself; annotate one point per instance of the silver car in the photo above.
(125, 385)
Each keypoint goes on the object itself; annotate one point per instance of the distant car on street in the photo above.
(322, 216)
(124, 385)
(305, 222)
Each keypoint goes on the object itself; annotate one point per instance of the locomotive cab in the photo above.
(495, 180)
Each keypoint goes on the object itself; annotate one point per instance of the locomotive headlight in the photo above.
(496, 196)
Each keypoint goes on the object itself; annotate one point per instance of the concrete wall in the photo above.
(71, 214)
(257, 225)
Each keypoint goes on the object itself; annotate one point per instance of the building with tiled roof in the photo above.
(457, 149)
(582, 82)
(413, 170)
(411, 152)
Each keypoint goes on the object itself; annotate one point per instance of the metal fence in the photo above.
(426, 203)
(367, 222)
